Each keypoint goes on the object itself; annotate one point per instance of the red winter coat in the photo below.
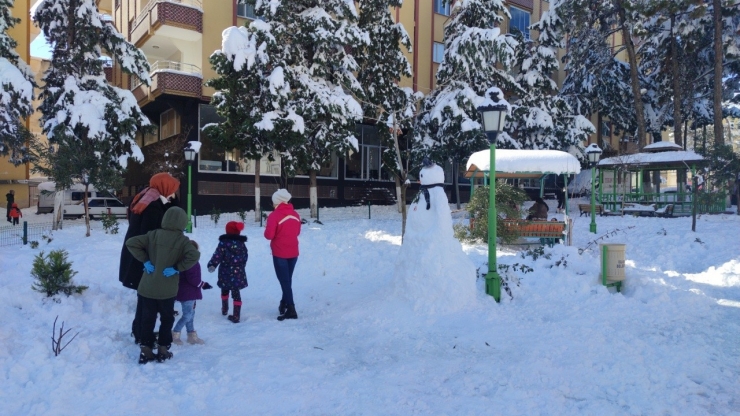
(15, 212)
(282, 229)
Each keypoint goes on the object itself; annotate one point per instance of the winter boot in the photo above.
(290, 313)
(146, 355)
(283, 307)
(237, 312)
(176, 338)
(163, 354)
(193, 338)
(224, 305)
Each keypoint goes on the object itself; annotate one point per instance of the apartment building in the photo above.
(178, 37)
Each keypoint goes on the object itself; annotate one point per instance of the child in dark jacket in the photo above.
(231, 259)
(15, 213)
(164, 252)
(187, 293)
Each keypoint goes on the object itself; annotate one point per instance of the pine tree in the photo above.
(252, 96)
(382, 64)
(477, 57)
(542, 119)
(91, 125)
(16, 94)
(316, 39)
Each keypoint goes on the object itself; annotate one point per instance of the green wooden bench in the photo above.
(586, 209)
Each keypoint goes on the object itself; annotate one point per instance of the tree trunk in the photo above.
(399, 200)
(85, 210)
(634, 78)
(676, 87)
(404, 209)
(313, 194)
(58, 210)
(718, 133)
(456, 184)
(257, 204)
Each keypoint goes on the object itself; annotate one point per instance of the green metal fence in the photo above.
(24, 233)
(708, 202)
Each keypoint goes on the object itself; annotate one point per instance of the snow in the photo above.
(650, 158)
(564, 345)
(518, 161)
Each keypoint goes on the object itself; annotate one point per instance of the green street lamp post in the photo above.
(594, 153)
(190, 157)
(494, 118)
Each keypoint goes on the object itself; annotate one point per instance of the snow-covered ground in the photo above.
(669, 344)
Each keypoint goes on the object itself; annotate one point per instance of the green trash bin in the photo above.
(612, 264)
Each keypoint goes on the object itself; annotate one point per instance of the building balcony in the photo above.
(178, 19)
(169, 77)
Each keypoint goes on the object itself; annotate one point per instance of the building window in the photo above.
(442, 7)
(438, 53)
(245, 10)
(329, 171)
(216, 159)
(169, 124)
(519, 21)
(606, 128)
(366, 164)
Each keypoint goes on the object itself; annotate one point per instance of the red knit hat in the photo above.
(234, 227)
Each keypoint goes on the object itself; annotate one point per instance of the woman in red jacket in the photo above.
(282, 229)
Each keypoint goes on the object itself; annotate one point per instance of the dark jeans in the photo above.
(561, 199)
(136, 324)
(284, 271)
(149, 310)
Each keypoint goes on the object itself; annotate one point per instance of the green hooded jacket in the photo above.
(164, 247)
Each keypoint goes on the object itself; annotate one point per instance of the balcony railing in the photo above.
(169, 66)
(144, 13)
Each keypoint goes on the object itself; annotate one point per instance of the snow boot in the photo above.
(146, 355)
(283, 307)
(224, 305)
(163, 354)
(237, 312)
(290, 313)
(193, 338)
(176, 338)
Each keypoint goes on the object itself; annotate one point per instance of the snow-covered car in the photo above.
(97, 207)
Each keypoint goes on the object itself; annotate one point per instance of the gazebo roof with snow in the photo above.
(513, 163)
(666, 155)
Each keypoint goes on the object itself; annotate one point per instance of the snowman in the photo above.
(432, 271)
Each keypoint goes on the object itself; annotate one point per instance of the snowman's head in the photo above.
(431, 174)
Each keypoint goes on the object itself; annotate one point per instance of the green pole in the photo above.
(190, 198)
(317, 212)
(593, 199)
(368, 209)
(493, 280)
(25, 232)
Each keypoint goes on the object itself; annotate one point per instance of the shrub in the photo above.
(242, 215)
(508, 201)
(110, 223)
(215, 215)
(53, 274)
(34, 244)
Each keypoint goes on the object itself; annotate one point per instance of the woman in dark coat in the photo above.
(10, 196)
(145, 214)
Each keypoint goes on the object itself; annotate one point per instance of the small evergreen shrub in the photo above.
(110, 223)
(242, 215)
(34, 244)
(53, 274)
(508, 201)
(215, 215)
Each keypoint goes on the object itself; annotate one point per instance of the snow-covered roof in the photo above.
(524, 162)
(661, 147)
(678, 158)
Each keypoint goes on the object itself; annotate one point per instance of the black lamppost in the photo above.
(190, 157)
(493, 119)
(594, 153)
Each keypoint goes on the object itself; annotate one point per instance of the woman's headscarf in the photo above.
(162, 184)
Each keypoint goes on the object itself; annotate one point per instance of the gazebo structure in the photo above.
(518, 164)
(657, 176)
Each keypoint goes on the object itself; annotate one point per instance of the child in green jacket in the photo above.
(165, 252)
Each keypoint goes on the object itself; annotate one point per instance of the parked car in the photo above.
(97, 207)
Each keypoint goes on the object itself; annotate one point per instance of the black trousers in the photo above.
(149, 310)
